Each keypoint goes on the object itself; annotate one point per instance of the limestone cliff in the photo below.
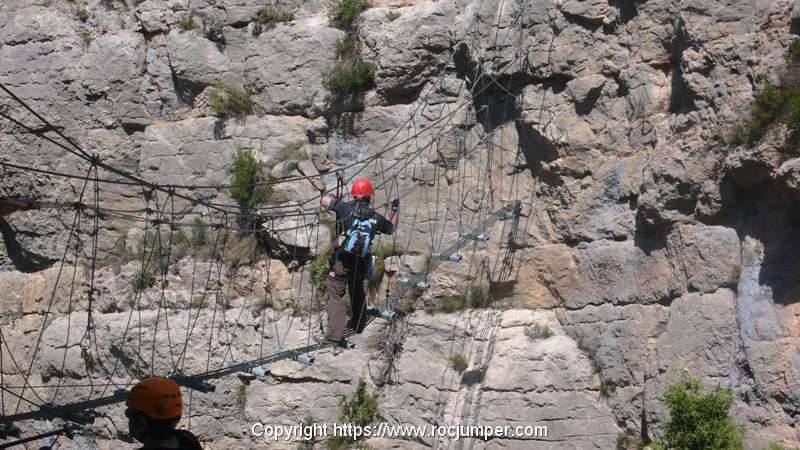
(650, 244)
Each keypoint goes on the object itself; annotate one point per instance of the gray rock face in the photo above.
(649, 247)
(195, 60)
(285, 67)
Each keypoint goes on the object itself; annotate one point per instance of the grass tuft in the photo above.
(538, 331)
(458, 362)
(230, 101)
(793, 54)
(345, 13)
(246, 173)
(187, 22)
(142, 280)
(348, 78)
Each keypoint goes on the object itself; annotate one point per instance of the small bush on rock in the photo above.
(346, 12)
(320, 267)
(229, 101)
(458, 362)
(700, 420)
(349, 78)
(269, 16)
(142, 280)
(794, 51)
(538, 331)
(246, 174)
(187, 22)
(479, 296)
(360, 409)
(345, 47)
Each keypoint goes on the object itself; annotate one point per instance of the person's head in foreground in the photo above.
(154, 408)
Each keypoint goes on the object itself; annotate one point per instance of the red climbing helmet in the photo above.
(362, 187)
(159, 398)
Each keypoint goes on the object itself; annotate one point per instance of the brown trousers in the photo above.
(341, 280)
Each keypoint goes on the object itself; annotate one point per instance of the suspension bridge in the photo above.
(159, 218)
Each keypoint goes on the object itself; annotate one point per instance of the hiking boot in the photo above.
(343, 343)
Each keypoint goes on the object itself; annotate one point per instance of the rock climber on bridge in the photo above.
(351, 261)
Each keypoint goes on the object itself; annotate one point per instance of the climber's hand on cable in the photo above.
(395, 204)
(328, 199)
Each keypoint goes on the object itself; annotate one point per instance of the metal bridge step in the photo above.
(451, 258)
(419, 285)
(386, 314)
(191, 383)
(304, 359)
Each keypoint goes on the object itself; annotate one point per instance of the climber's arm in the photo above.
(328, 200)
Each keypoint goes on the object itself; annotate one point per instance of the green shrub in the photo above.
(448, 304)
(775, 446)
(766, 107)
(458, 362)
(627, 442)
(700, 420)
(320, 267)
(349, 77)
(793, 109)
(793, 53)
(345, 47)
(198, 232)
(270, 15)
(180, 245)
(142, 280)
(247, 171)
(537, 331)
(229, 101)
(346, 12)
(187, 22)
(82, 14)
(479, 296)
(310, 440)
(86, 40)
(359, 409)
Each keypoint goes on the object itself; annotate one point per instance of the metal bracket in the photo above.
(191, 383)
(305, 359)
(451, 258)
(261, 372)
(512, 210)
(81, 417)
(386, 314)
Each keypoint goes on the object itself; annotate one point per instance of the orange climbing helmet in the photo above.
(158, 398)
(362, 187)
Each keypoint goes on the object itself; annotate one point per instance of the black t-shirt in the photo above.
(345, 213)
(186, 441)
